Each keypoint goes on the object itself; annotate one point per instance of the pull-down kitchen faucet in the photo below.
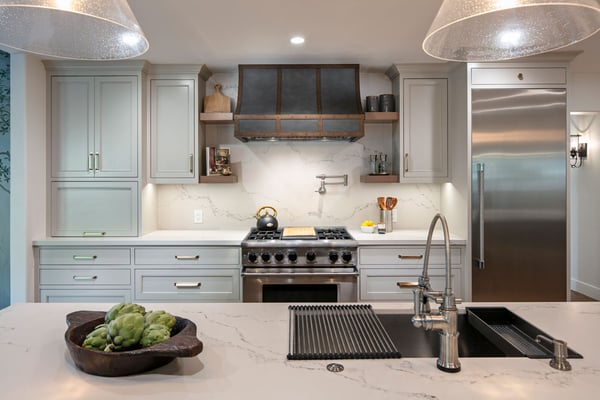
(447, 320)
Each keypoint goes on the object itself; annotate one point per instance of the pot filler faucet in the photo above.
(323, 177)
(447, 319)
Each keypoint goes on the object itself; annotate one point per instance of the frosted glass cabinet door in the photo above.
(94, 209)
(116, 127)
(425, 130)
(173, 122)
(72, 114)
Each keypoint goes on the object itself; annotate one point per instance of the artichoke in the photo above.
(97, 339)
(123, 308)
(160, 317)
(125, 331)
(154, 334)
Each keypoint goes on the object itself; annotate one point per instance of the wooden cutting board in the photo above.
(217, 102)
(299, 231)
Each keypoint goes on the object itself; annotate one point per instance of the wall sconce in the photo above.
(580, 125)
(578, 151)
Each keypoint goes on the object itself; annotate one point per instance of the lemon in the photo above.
(367, 222)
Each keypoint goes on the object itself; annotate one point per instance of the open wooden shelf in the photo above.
(218, 179)
(216, 117)
(381, 117)
(380, 178)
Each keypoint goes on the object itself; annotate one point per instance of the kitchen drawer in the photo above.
(85, 296)
(84, 255)
(518, 76)
(221, 284)
(399, 256)
(187, 256)
(381, 284)
(85, 276)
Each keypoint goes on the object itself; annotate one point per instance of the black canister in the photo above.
(387, 103)
(372, 103)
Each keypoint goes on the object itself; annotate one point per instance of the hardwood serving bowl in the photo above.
(182, 343)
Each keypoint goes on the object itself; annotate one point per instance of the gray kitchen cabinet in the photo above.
(84, 274)
(94, 208)
(185, 273)
(94, 126)
(174, 141)
(421, 136)
(94, 152)
(383, 267)
(187, 284)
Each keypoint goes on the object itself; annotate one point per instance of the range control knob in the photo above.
(333, 256)
(346, 256)
(279, 256)
(265, 257)
(252, 257)
(292, 256)
(311, 256)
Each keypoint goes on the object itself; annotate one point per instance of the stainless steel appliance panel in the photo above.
(519, 198)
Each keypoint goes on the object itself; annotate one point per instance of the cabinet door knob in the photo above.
(520, 76)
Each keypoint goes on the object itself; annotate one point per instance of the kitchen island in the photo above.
(244, 357)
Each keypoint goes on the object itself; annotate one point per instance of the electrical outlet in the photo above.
(394, 215)
(197, 216)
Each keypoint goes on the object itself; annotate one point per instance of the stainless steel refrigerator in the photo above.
(519, 194)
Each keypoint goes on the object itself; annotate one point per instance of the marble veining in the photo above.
(244, 356)
(282, 174)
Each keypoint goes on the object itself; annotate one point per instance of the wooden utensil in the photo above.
(393, 202)
(388, 203)
(217, 102)
(381, 203)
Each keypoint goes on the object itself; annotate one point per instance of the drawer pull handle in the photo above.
(85, 278)
(84, 258)
(187, 257)
(94, 233)
(520, 76)
(407, 285)
(184, 285)
(419, 257)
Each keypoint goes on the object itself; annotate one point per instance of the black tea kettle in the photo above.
(264, 220)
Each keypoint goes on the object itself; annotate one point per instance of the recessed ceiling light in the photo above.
(297, 40)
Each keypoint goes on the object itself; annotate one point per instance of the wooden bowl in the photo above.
(182, 343)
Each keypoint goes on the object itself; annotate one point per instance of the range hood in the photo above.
(299, 102)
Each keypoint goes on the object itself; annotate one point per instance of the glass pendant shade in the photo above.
(494, 30)
(74, 29)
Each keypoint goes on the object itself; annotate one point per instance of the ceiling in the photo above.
(225, 33)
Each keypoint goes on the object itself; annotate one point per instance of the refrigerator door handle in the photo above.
(479, 261)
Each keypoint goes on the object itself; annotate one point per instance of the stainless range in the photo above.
(300, 264)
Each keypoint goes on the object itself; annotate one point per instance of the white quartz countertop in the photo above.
(235, 237)
(244, 357)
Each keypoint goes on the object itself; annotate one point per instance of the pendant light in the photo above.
(494, 30)
(74, 29)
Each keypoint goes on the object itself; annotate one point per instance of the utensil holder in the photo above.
(385, 216)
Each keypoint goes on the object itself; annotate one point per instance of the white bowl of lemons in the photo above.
(367, 226)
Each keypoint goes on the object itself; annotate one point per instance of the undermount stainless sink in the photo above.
(486, 332)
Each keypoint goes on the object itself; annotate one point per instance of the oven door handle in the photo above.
(300, 273)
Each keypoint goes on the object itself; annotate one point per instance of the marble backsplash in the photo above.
(283, 175)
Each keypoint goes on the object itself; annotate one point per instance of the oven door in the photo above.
(270, 287)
